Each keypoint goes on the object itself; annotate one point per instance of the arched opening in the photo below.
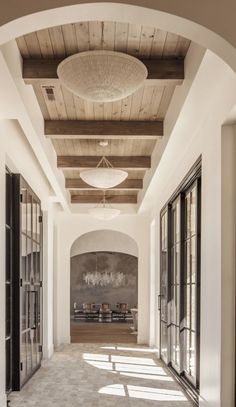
(104, 288)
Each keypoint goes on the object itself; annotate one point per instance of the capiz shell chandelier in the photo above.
(102, 76)
(104, 210)
(104, 176)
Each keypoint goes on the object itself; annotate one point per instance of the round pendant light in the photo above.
(104, 213)
(104, 210)
(104, 176)
(102, 76)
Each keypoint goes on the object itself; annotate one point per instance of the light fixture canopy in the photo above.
(104, 211)
(102, 76)
(104, 176)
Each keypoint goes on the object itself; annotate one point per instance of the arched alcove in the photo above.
(103, 286)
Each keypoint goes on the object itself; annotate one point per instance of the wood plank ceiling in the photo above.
(133, 125)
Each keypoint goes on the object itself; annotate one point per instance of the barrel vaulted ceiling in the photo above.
(133, 126)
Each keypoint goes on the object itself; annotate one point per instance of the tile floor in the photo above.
(92, 375)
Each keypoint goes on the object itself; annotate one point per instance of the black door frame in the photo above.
(193, 176)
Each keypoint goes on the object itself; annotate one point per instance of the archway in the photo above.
(192, 25)
(104, 288)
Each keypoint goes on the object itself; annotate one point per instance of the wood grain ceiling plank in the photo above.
(165, 101)
(116, 110)
(98, 111)
(82, 36)
(146, 41)
(33, 46)
(158, 43)
(78, 183)
(57, 40)
(45, 43)
(108, 111)
(103, 129)
(170, 45)
(133, 42)
(136, 103)
(23, 47)
(108, 37)
(129, 162)
(121, 36)
(113, 199)
(57, 147)
(144, 111)
(70, 40)
(182, 47)
(79, 108)
(155, 102)
(60, 103)
(89, 110)
(126, 108)
(69, 103)
(95, 35)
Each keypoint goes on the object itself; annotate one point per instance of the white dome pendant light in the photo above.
(102, 76)
(104, 211)
(104, 176)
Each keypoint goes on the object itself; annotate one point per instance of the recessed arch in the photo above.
(103, 286)
(104, 240)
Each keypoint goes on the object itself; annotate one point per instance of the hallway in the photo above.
(101, 375)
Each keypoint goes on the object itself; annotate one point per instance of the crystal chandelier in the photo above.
(104, 210)
(102, 76)
(104, 176)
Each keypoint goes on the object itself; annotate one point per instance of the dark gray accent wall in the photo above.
(104, 277)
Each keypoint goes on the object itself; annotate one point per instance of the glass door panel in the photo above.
(30, 291)
(180, 282)
(164, 288)
(175, 285)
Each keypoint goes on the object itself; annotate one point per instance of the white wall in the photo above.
(104, 240)
(70, 228)
(16, 153)
(198, 131)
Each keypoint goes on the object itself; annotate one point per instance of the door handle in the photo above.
(159, 302)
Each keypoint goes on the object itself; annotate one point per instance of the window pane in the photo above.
(193, 259)
(193, 355)
(24, 356)
(29, 215)
(24, 211)
(193, 211)
(34, 220)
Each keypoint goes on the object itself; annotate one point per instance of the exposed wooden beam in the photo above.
(83, 129)
(114, 199)
(78, 183)
(159, 69)
(127, 162)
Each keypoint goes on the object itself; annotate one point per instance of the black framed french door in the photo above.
(180, 280)
(27, 345)
(9, 234)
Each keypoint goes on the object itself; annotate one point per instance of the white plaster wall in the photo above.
(17, 154)
(104, 240)
(70, 228)
(198, 132)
